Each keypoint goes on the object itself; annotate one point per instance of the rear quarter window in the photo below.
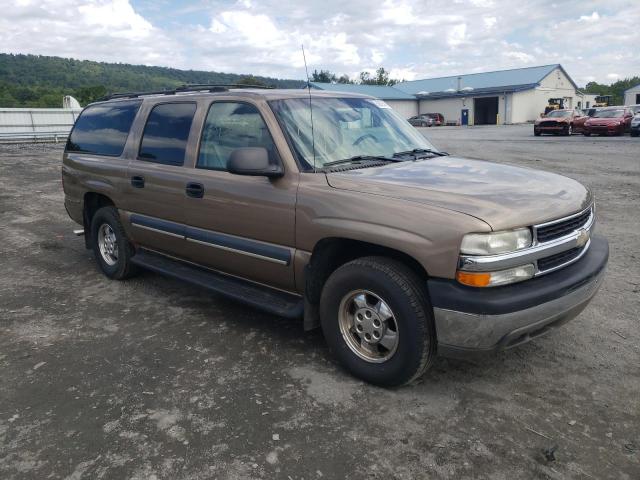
(103, 129)
(166, 133)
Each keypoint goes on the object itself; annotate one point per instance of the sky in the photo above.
(593, 40)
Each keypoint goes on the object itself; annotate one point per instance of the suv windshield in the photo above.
(344, 128)
(559, 114)
(609, 113)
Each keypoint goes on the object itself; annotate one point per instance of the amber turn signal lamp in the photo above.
(474, 279)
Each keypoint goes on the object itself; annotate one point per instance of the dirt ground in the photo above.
(154, 379)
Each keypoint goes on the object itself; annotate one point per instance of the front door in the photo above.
(155, 193)
(242, 225)
(464, 116)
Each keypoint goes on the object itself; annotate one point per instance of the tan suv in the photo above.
(352, 221)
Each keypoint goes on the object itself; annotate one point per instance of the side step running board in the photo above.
(264, 298)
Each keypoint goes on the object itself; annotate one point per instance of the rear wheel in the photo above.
(378, 322)
(537, 133)
(635, 133)
(110, 245)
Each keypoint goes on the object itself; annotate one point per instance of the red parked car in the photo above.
(609, 121)
(565, 122)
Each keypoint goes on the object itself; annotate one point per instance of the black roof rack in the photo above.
(193, 87)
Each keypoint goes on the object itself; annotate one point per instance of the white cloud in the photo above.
(594, 17)
(411, 38)
(489, 22)
(457, 35)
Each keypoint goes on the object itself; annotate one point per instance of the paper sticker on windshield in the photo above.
(380, 103)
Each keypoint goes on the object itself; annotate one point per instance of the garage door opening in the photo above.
(485, 110)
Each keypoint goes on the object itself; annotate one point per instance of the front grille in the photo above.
(562, 228)
(549, 124)
(558, 259)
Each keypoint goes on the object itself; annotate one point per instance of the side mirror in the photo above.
(253, 161)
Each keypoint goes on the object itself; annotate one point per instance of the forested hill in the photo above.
(39, 81)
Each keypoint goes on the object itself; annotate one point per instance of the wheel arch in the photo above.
(332, 252)
(91, 203)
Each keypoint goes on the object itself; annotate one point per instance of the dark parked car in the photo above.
(421, 121)
(635, 126)
(609, 121)
(563, 122)
(590, 112)
(427, 120)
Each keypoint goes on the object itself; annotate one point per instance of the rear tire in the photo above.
(394, 313)
(537, 133)
(635, 134)
(110, 245)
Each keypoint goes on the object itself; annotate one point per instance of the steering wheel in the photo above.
(361, 139)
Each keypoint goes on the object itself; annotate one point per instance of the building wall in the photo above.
(18, 123)
(585, 100)
(404, 108)
(530, 104)
(451, 108)
(630, 95)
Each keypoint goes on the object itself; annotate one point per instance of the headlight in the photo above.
(494, 279)
(495, 242)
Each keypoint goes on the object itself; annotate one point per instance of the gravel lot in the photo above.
(151, 378)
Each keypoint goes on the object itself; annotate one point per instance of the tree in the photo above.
(251, 80)
(344, 79)
(381, 78)
(323, 76)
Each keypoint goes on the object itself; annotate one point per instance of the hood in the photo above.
(605, 121)
(503, 196)
(552, 119)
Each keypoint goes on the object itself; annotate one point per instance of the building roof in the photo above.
(487, 82)
(382, 92)
(637, 87)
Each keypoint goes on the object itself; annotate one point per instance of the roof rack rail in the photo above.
(192, 87)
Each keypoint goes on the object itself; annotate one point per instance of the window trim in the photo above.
(92, 105)
(204, 124)
(144, 128)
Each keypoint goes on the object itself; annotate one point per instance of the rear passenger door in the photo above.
(241, 225)
(157, 178)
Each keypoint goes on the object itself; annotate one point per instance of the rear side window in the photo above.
(165, 135)
(103, 129)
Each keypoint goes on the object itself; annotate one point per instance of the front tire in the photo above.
(378, 322)
(568, 131)
(110, 245)
(586, 134)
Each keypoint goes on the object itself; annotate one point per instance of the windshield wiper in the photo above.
(361, 158)
(417, 151)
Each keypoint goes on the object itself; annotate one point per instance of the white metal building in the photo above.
(505, 96)
(632, 96)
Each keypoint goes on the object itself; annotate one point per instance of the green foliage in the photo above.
(381, 78)
(616, 89)
(41, 81)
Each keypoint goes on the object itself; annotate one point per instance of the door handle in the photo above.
(195, 190)
(137, 181)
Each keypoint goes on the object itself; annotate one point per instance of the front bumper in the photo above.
(471, 321)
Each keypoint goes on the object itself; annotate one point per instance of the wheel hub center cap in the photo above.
(369, 325)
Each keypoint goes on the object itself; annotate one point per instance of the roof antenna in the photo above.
(313, 141)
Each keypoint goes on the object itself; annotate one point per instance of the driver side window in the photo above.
(228, 126)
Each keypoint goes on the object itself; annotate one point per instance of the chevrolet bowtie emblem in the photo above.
(583, 237)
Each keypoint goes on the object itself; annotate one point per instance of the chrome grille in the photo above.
(559, 259)
(552, 231)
